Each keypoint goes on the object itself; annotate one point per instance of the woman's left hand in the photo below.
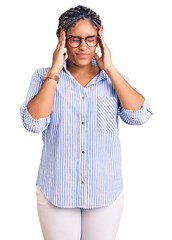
(105, 61)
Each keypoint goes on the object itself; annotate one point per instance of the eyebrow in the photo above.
(80, 37)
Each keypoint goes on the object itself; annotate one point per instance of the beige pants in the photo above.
(76, 223)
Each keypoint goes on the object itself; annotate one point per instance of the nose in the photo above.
(83, 44)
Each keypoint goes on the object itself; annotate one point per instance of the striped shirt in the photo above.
(80, 165)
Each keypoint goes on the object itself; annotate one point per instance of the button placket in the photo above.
(83, 136)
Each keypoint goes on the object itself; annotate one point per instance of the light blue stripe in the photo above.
(73, 152)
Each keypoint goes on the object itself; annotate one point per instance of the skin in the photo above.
(129, 98)
(82, 67)
(83, 70)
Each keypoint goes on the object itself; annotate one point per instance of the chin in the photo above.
(82, 61)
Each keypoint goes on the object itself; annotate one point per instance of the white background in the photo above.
(139, 36)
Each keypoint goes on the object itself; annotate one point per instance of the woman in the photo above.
(75, 103)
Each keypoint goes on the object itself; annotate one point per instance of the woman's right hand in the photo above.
(58, 54)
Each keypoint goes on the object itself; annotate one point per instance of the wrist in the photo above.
(55, 70)
(51, 74)
(110, 69)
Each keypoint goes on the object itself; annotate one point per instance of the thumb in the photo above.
(96, 57)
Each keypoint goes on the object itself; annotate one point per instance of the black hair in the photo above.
(71, 16)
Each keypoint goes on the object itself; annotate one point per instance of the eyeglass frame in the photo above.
(80, 38)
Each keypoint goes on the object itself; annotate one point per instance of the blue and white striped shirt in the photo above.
(80, 164)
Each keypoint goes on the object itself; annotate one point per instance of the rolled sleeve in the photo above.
(135, 117)
(31, 124)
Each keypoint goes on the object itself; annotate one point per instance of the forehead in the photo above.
(82, 28)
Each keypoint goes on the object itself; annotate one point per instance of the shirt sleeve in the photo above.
(135, 117)
(31, 124)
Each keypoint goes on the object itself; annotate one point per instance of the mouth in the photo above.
(82, 55)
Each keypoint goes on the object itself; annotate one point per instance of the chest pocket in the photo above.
(107, 114)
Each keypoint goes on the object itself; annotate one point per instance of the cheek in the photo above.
(93, 50)
(71, 54)
(70, 51)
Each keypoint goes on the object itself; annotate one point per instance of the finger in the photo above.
(64, 35)
(59, 40)
(61, 34)
(62, 38)
(101, 29)
(96, 56)
(102, 41)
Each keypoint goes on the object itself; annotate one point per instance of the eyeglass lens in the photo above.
(75, 41)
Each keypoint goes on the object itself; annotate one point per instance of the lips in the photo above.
(82, 55)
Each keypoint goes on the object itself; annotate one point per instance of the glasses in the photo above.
(75, 41)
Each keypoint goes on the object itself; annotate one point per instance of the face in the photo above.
(82, 28)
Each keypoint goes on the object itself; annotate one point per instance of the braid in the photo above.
(70, 17)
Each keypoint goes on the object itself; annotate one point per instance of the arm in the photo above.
(36, 109)
(133, 108)
(129, 98)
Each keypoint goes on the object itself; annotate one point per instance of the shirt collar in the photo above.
(101, 76)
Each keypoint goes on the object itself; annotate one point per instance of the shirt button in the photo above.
(82, 182)
(82, 122)
(83, 97)
(83, 152)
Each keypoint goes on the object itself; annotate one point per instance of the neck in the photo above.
(75, 69)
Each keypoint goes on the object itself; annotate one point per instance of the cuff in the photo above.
(136, 117)
(31, 124)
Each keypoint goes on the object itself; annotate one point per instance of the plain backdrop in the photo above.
(139, 36)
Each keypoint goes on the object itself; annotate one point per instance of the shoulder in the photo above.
(40, 72)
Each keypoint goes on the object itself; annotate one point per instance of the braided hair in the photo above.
(70, 17)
